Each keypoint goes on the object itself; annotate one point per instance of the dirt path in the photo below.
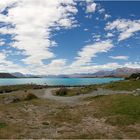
(47, 94)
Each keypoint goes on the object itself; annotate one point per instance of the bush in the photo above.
(2, 125)
(30, 96)
(134, 76)
(62, 91)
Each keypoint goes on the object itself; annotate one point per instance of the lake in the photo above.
(56, 81)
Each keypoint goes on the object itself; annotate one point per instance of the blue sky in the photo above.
(68, 36)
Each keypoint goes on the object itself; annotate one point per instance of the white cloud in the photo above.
(85, 29)
(56, 66)
(101, 11)
(92, 68)
(125, 27)
(2, 42)
(109, 35)
(33, 22)
(97, 37)
(119, 57)
(4, 3)
(106, 16)
(132, 65)
(107, 66)
(88, 52)
(8, 66)
(91, 6)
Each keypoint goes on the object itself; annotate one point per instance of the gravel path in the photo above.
(47, 94)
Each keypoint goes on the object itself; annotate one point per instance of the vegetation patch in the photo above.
(74, 91)
(118, 109)
(2, 125)
(134, 76)
(11, 88)
(94, 97)
(29, 96)
(127, 85)
(62, 92)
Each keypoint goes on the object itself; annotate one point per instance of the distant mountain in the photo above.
(120, 72)
(6, 75)
(125, 71)
(102, 73)
(31, 76)
(18, 74)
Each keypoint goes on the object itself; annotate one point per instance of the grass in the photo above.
(127, 85)
(117, 109)
(76, 91)
(2, 125)
(10, 88)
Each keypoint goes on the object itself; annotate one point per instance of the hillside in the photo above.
(119, 72)
(6, 75)
(18, 74)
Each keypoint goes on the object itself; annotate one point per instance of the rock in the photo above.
(138, 89)
(46, 123)
(136, 94)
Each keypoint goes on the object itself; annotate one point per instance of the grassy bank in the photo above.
(118, 109)
(10, 88)
(127, 85)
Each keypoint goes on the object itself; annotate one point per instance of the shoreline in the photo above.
(23, 87)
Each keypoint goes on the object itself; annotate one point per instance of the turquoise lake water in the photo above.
(56, 81)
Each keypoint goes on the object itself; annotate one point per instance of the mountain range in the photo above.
(120, 72)
(6, 75)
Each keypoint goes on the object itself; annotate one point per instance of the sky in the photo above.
(68, 36)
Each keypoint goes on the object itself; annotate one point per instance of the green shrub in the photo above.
(30, 96)
(2, 125)
(134, 76)
(62, 91)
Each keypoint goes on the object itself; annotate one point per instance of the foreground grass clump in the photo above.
(118, 109)
(11, 88)
(74, 91)
(15, 98)
(127, 85)
(30, 96)
(2, 125)
(62, 91)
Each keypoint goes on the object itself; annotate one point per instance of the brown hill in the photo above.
(6, 75)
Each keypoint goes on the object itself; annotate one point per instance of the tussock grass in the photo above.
(75, 91)
(126, 85)
(117, 109)
(10, 88)
(2, 125)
